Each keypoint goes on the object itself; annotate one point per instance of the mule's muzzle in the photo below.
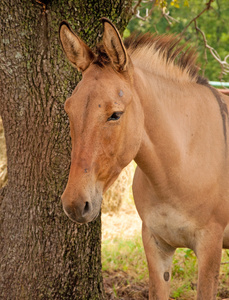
(81, 211)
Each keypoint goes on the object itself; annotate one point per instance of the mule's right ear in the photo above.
(77, 52)
(114, 46)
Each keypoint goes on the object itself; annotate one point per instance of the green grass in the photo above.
(184, 274)
(125, 255)
(128, 256)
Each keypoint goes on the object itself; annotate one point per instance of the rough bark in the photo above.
(43, 255)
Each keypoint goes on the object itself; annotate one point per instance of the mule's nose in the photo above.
(80, 212)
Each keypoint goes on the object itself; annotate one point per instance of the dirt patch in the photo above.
(119, 285)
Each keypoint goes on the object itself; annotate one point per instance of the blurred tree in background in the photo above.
(172, 16)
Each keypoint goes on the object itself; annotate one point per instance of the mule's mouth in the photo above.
(81, 221)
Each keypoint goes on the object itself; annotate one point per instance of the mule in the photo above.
(143, 100)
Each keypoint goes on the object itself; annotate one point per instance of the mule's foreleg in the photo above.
(208, 251)
(159, 257)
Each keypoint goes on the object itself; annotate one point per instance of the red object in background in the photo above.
(224, 91)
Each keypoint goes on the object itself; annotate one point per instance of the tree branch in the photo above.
(208, 6)
(136, 11)
(165, 12)
(166, 15)
(223, 63)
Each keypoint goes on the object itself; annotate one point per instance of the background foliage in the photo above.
(214, 23)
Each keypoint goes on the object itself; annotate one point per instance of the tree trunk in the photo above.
(43, 255)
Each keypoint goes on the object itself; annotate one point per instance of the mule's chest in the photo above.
(167, 219)
(170, 225)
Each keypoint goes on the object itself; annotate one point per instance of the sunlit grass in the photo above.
(125, 255)
(184, 274)
(128, 256)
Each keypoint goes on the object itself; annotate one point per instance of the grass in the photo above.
(127, 257)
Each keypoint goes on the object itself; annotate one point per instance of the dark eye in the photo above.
(115, 116)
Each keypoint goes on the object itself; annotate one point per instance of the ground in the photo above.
(119, 284)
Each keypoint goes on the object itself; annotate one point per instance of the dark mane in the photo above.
(102, 59)
(168, 47)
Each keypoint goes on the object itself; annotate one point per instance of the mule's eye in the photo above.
(115, 116)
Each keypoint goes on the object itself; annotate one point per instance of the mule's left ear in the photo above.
(114, 46)
(77, 52)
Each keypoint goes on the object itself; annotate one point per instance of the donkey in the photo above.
(144, 101)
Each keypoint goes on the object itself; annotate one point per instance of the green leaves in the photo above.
(172, 16)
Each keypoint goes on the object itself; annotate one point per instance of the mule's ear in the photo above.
(114, 46)
(77, 52)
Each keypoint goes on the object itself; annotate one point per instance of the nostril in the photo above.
(86, 208)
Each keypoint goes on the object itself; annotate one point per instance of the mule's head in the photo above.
(105, 120)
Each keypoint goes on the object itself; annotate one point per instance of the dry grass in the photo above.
(123, 221)
(3, 160)
(121, 189)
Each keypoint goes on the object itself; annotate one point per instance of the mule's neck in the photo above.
(180, 118)
(160, 136)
